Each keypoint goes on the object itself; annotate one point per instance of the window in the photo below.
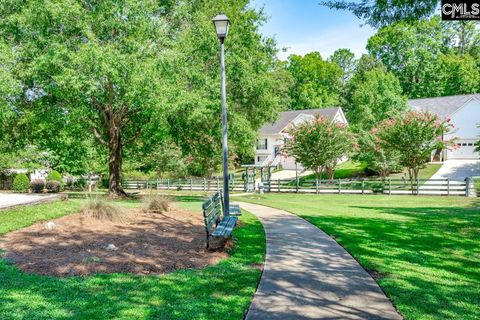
(262, 144)
(260, 159)
(470, 144)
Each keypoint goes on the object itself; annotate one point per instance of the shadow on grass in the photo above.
(429, 256)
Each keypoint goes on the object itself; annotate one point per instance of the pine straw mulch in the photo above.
(150, 243)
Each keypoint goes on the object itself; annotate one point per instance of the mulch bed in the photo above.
(150, 243)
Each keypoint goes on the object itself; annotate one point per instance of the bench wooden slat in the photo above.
(225, 227)
(212, 214)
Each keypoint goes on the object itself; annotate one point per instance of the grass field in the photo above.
(424, 173)
(425, 249)
(223, 291)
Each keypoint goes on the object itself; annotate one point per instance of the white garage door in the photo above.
(465, 149)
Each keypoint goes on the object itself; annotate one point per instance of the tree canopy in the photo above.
(317, 82)
(379, 13)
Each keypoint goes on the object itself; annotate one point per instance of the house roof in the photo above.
(288, 116)
(442, 106)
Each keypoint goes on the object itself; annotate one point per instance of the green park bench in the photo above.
(216, 223)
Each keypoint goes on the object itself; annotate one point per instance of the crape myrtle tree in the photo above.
(319, 145)
(378, 157)
(415, 136)
(92, 64)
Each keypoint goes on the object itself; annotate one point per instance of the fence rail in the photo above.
(193, 184)
(442, 187)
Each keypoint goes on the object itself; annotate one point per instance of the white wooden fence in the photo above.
(442, 187)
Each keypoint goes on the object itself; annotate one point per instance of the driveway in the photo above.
(458, 169)
(15, 199)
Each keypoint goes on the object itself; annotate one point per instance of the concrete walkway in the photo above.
(8, 200)
(458, 169)
(308, 275)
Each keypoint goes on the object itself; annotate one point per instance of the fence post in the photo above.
(168, 184)
(363, 186)
(339, 186)
(467, 187)
(316, 185)
(448, 186)
(297, 181)
(418, 187)
(204, 185)
(278, 186)
(158, 185)
(389, 186)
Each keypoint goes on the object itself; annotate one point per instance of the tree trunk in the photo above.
(115, 163)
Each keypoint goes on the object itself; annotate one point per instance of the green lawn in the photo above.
(424, 173)
(426, 249)
(223, 291)
(345, 170)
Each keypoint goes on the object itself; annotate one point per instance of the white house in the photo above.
(272, 136)
(464, 111)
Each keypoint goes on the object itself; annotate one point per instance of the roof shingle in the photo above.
(288, 116)
(442, 106)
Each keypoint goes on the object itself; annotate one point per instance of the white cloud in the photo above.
(348, 36)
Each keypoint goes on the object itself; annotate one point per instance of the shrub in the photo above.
(53, 186)
(102, 210)
(21, 183)
(80, 184)
(156, 203)
(37, 186)
(55, 176)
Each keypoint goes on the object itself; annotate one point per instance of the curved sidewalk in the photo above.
(308, 275)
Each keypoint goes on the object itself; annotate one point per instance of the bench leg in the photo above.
(208, 243)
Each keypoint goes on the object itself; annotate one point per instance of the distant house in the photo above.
(272, 136)
(464, 111)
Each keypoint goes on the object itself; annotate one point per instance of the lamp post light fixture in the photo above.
(222, 23)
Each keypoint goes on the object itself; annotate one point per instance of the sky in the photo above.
(304, 26)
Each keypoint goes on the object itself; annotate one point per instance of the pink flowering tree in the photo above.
(414, 136)
(319, 145)
(378, 156)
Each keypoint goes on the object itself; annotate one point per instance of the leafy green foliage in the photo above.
(372, 96)
(21, 183)
(317, 82)
(378, 13)
(428, 57)
(420, 249)
(257, 84)
(55, 176)
(319, 145)
(378, 157)
(345, 59)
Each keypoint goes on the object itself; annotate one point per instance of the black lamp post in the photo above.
(222, 23)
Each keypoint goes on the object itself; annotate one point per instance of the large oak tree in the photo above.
(93, 65)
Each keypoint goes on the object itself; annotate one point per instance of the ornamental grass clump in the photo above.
(156, 203)
(101, 209)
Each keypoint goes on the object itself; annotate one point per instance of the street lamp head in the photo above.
(221, 23)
